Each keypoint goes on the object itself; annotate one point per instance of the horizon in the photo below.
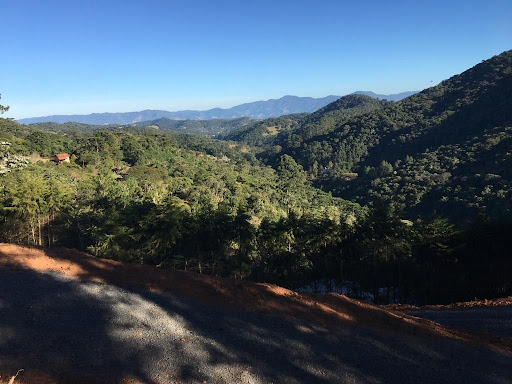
(211, 108)
(74, 59)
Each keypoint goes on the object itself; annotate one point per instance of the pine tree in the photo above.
(3, 108)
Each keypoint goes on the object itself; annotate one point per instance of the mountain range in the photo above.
(416, 193)
(256, 110)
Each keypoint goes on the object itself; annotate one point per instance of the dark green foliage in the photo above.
(441, 158)
(328, 118)
(212, 128)
(149, 198)
(133, 151)
(291, 174)
(292, 131)
(146, 199)
(80, 134)
(429, 261)
(71, 127)
(265, 132)
(445, 149)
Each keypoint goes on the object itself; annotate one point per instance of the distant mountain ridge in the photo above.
(257, 110)
(392, 97)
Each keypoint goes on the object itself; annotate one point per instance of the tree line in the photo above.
(145, 197)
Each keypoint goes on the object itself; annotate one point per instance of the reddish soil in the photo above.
(504, 301)
(323, 309)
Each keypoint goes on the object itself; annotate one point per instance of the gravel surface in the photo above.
(77, 331)
(495, 320)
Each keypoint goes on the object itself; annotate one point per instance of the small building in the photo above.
(60, 158)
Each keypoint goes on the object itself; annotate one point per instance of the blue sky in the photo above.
(64, 57)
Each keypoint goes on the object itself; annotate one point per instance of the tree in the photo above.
(3, 108)
(133, 153)
(378, 251)
(26, 204)
(291, 178)
(433, 249)
(385, 168)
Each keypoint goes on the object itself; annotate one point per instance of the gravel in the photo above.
(77, 331)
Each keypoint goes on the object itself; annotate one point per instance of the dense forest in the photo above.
(444, 150)
(264, 133)
(401, 202)
(210, 128)
(290, 130)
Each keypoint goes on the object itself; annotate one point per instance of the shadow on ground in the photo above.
(63, 330)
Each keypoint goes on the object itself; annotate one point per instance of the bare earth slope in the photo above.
(67, 317)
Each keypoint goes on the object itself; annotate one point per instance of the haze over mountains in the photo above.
(256, 110)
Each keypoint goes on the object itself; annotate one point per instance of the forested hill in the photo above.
(265, 132)
(212, 128)
(326, 119)
(158, 197)
(446, 149)
(283, 130)
(191, 202)
(186, 201)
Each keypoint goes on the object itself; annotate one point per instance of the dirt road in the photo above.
(64, 330)
(496, 320)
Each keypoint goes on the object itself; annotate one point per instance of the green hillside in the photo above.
(329, 117)
(166, 199)
(415, 205)
(445, 149)
(264, 133)
(212, 128)
(290, 130)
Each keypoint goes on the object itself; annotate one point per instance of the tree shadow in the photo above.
(68, 331)
(53, 329)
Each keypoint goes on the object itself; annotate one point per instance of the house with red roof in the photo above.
(60, 158)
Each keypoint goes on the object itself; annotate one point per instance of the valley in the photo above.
(397, 198)
(360, 238)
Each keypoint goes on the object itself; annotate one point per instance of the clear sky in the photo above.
(83, 56)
